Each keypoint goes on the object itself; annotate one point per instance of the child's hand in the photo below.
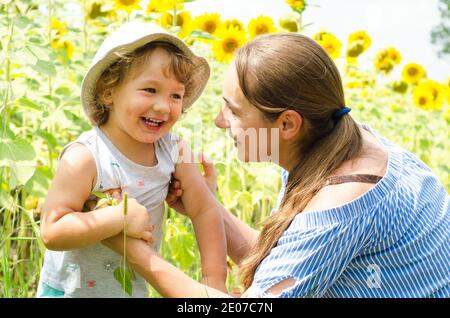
(173, 198)
(137, 221)
(96, 203)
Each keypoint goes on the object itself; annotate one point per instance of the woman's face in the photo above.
(254, 136)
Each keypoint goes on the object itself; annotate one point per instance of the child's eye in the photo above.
(149, 90)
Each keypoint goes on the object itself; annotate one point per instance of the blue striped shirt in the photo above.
(393, 241)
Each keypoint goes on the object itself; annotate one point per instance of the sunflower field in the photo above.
(45, 49)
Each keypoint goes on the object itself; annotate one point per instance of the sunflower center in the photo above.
(422, 101)
(261, 29)
(412, 71)
(127, 2)
(230, 45)
(210, 26)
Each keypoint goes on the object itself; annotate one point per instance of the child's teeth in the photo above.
(152, 122)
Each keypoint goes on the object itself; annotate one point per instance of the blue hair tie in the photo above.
(341, 112)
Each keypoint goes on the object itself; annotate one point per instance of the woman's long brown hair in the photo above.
(278, 72)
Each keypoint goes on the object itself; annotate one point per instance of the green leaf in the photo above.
(6, 132)
(16, 150)
(39, 182)
(44, 67)
(26, 103)
(124, 277)
(5, 199)
(49, 138)
(63, 90)
(22, 22)
(41, 53)
(20, 157)
(76, 120)
(99, 195)
(202, 35)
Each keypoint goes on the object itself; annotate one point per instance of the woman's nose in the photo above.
(221, 121)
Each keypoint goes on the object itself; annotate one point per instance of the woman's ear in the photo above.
(290, 123)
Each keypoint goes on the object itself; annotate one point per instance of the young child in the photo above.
(133, 93)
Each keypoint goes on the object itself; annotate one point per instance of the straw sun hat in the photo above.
(128, 38)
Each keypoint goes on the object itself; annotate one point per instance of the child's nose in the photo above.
(161, 107)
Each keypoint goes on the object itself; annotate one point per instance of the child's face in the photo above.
(149, 101)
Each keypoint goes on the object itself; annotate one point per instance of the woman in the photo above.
(360, 216)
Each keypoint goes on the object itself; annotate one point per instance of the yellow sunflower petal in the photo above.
(127, 5)
(297, 5)
(228, 41)
(412, 73)
(330, 43)
(261, 25)
(208, 22)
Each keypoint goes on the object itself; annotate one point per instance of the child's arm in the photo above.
(63, 226)
(204, 212)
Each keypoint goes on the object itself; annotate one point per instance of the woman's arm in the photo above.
(168, 280)
(240, 236)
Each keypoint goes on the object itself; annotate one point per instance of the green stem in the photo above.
(125, 211)
(174, 18)
(85, 35)
(49, 42)
(7, 97)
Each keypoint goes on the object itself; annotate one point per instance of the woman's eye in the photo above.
(150, 90)
(177, 96)
(231, 111)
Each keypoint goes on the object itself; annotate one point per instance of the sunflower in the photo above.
(260, 25)
(400, 86)
(394, 55)
(412, 73)
(423, 98)
(383, 63)
(64, 48)
(228, 41)
(208, 22)
(330, 43)
(235, 24)
(447, 91)
(428, 95)
(58, 28)
(290, 21)
(297, 5)
(127, 5)
(183, 21)
(156, 6)
(362, 38)
(95, 10)
(354, 50)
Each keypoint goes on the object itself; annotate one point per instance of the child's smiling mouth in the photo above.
(152, 123)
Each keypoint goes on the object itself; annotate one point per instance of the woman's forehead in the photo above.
(232, 91)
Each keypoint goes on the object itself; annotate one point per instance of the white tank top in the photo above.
(88, 272)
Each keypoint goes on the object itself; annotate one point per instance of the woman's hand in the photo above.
(173, 198)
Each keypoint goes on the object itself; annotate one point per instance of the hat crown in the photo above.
(126, 34)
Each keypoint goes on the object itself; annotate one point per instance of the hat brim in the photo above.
(199, 78)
